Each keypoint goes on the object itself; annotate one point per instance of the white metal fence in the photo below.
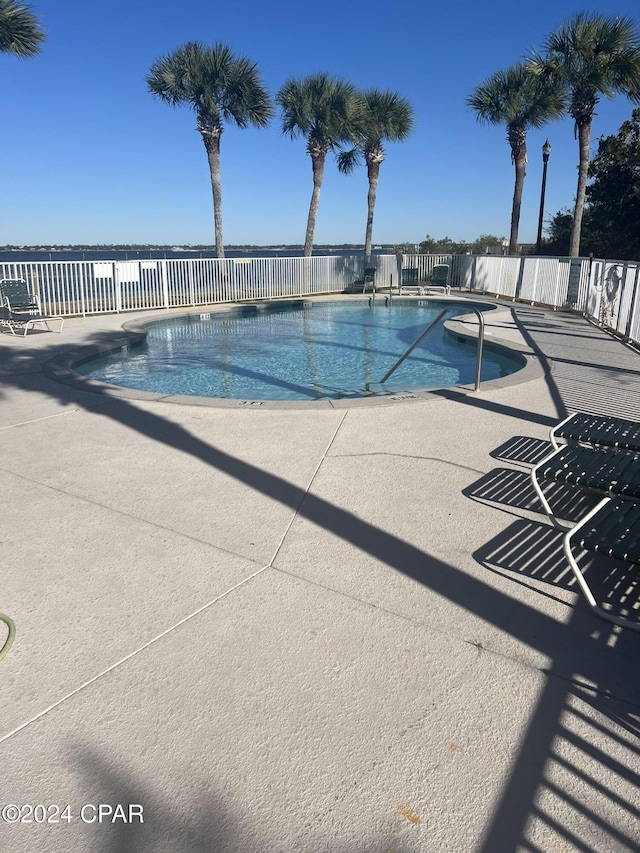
(559, 282)
(607, 291)
(91, 287)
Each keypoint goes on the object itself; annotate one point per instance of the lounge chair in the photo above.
(598, 431)
(369, 278)
(7, 319)
(410, 284)
(367, 282)
(439, 279)
(611, 528)
(20, 308)
(601, 470)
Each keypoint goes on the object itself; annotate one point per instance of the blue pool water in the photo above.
(297, 352)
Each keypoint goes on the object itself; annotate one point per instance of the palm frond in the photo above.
(518, 97)
(386, 116)
(348, 160)
(593, 55)
(216, 84)
(20, 31)
(319, 107)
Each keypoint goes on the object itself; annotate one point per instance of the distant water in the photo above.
(132, 255)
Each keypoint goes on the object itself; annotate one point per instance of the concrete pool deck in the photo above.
(308, 629)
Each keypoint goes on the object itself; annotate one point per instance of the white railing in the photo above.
(607, 291)
(71, 288)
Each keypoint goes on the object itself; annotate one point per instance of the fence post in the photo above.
(556, 301)
(234, 286)
(163, 282)
(117, 287)
(192, 299)
(634, 303)
(84, 284)
(535, 282)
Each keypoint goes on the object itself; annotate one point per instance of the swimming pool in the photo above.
(298, 351)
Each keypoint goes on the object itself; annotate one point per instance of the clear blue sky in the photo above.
(89, 156)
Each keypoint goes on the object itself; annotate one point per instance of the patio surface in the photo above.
(334, 630)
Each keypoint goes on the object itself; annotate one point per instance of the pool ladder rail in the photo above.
(424, 335)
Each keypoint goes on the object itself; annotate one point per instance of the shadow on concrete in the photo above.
(532, 554)
(522, 449)
(604, 374)
(528, 551)
(513, 488)
(499, 408)
(208, 824)
(592, 669)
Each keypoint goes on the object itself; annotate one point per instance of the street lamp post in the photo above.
(546, 150)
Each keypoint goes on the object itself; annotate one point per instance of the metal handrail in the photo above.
(426, 332)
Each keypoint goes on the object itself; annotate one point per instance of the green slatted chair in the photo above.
(611, 528)
(21, 309)
(409, 283)
(7, 318)
(439, 279)
(598, 431)
(601, 470)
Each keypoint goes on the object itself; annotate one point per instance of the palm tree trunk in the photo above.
(373, 171)
(211, 140)
(519, 158)
(584, 142)
(317, 164)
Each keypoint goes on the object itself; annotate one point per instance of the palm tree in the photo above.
(385, 116)
(221, 88)
(323, 109)
(20, 32)
(591, 55)
(520, 100)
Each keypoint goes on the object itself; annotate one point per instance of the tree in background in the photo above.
(324, 110)
(590, 55)
(611, 220)
(20, 32)
(559, 233)
(446, 246)
(519, 100)
(384, 117)
(483, 245)
(443, 246)
(221, 88)
(613, 196)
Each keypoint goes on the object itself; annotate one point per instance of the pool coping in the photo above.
(61, 367)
